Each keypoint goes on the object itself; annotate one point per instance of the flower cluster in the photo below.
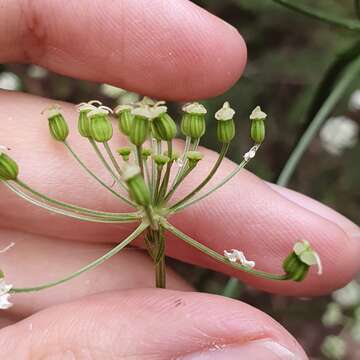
(146, 174)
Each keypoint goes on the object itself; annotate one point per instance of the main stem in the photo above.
(160, 271)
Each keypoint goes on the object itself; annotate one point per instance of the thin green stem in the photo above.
(153, 170)
(177, 184)
(218, 257)
(139, 159)
(158, 182)
(90, 266)
(182, 159)
(93, 175)
(76, 209)
(350, 74)
(112, 158)
(160, 271)
(224, 150)
(166, 179)
(348, 24)
(217, 186)
(117, 218)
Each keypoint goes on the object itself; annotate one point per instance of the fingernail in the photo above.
(254, 350)
(351, 229)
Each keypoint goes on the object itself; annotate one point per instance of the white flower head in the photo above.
(111, 91)
(9, 81)
(225, 113)
(85, 107)
(158, 110)
(258, 114)
(52, 110)
(4, 295)
(251, 153)
(234, 256)
(308, 255)
(194, 108)
(101, 110)
(354, 102)
(339, 133)
(120, 108)
(144, 111)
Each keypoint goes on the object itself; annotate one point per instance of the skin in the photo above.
(118, 314)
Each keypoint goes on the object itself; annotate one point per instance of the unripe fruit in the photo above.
(9, 170)
(58, 127)
(193, 121)
(138, 190)
(100, 126)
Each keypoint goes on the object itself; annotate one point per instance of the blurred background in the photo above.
(289, 55)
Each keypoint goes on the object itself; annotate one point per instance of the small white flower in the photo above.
(236, 255)
(143, 111)
(111, 91)
(349, 295)
(121, 108)
(37, 72)
(308, 255)
(101, 110)
(251, 153)
(180, 163)
(4, 295)
(225, 113)
(258, 114)
(354, 102)
(339, 133)
(194, 108)
(9, 81)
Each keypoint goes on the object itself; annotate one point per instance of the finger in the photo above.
(165, 49)
(150, 324)
(246, 214)
(34, 260)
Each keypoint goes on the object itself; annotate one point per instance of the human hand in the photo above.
(170, 50)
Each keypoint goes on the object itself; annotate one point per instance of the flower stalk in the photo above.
(149, 191)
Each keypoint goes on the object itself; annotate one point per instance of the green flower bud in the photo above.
(141, 125)
(100, 126)
(297, 264)
(194, 157)
(9, 169)
(225, 124)
(58, 127)
(145, 153)
(124, 152)
(138, 190)
(257, 118)
(164, 127)
(84, 124)
(193, 120)
(161, 160)
(125, 118)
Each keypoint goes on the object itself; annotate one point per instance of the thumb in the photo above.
(149, 324)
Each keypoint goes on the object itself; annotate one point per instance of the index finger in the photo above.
(166, 49)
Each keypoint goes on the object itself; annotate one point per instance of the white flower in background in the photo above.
(333, 315)
(9, 81)
(111, 91)
(4, 295)
(354, 102)
(234, 256)
(349, 295)
(339, 133)
(334, 347)
(37, 72)
(128, 98)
